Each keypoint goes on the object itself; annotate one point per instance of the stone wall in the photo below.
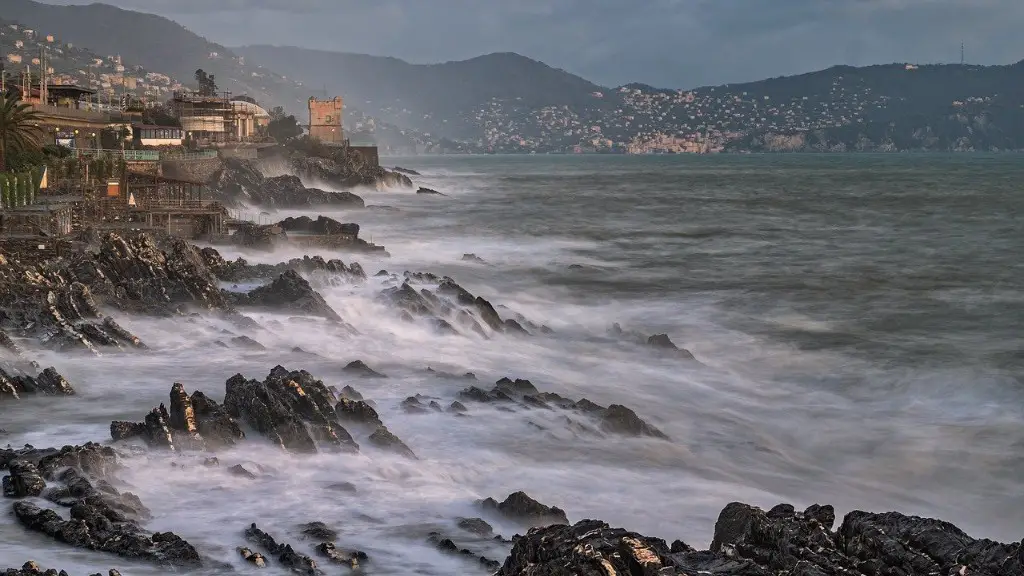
(199, 170)
(369, 154)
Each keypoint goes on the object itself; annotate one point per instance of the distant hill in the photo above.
(510, 103)
(429, 96)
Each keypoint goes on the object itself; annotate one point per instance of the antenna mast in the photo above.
(961, 53)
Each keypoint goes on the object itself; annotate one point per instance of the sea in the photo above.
(857, 323)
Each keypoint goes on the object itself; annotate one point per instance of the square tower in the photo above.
(325, 120)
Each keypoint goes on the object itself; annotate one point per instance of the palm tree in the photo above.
(18, 127)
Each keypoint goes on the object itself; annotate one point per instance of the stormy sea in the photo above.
(855, 323)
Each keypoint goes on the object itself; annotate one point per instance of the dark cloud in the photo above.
(672, 43)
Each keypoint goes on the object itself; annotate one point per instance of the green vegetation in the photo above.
(207, 83)
(19, 134)
(283, 128)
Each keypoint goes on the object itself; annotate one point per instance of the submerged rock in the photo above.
(447, 546)
(360, 368)
(284, 553)
(614, 419)
(430, 191)
(519, 507)
(289, 291)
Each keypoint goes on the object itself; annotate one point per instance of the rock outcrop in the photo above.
(614, 419)
(82, 478)
(241, 182)
(751, 542)
(449, 307)
(288, 292)
(520, 507)
(15, 382)
(314, 267)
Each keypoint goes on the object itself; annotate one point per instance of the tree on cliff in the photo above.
(19, 133)
(283, 128)
(207, 83)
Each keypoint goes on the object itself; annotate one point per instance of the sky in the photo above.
(664, 43)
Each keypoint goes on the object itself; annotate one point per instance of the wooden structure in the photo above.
(172, 205)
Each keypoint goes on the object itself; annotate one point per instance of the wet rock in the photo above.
(247, 343)
(615, 419)
(514, 327)
(621, 420)
(750, 542)
(23, 480)
(31, 568)
(447, 546)
(476, 526)
(430, 191)
(520, 507)
(193, 423)
(101, 518)
(457, 407)
(359, 368)
(406, 171)
(254, 558)
(289, 291)
(16, 383)
(357, 411)
(319, 531)
(350, 558)
(241, 471)
(341, 487)
(241, 182)
(285, 554)
(384, 438)
(351, 393)
(290, 408)
(412, 405)
(473, 258)
(662, 341)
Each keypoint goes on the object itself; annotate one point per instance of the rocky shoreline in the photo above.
(73, 495)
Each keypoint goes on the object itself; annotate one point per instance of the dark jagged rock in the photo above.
(360, 368)
(350, 393)
(350, 558)
(247, 343)
(319, 531)
(315, 267)
(241, 182)
(357, 411)
(782, 541)
(285, 554)
(450, 376)
(322, 225)
(24, 480)
(289, 291)
(429, 191)
(292, 409)
(241, 472)
(614, 419)
(408, 171)
(473, 258)
(193, 423)
(384, 438)
(101, 518)
(344, 168)
(31, 568)
(449, 307)
(663, 342)
(519, 507)
(15, 382)
(447, 546)
(476, 526)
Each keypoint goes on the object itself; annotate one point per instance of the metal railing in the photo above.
(129, 155)
(199, 155)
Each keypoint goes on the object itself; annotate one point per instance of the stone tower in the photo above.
(325, 120)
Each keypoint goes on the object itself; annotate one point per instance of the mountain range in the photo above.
(505, 102)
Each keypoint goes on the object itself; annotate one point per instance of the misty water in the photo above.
(857, 322)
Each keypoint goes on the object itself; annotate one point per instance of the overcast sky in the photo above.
(666, 43)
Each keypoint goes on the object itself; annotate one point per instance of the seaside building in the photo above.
(325, 120)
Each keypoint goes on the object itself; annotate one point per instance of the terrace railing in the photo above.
(128, 155)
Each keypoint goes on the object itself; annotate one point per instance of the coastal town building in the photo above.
(325, 120)
(148, 135)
